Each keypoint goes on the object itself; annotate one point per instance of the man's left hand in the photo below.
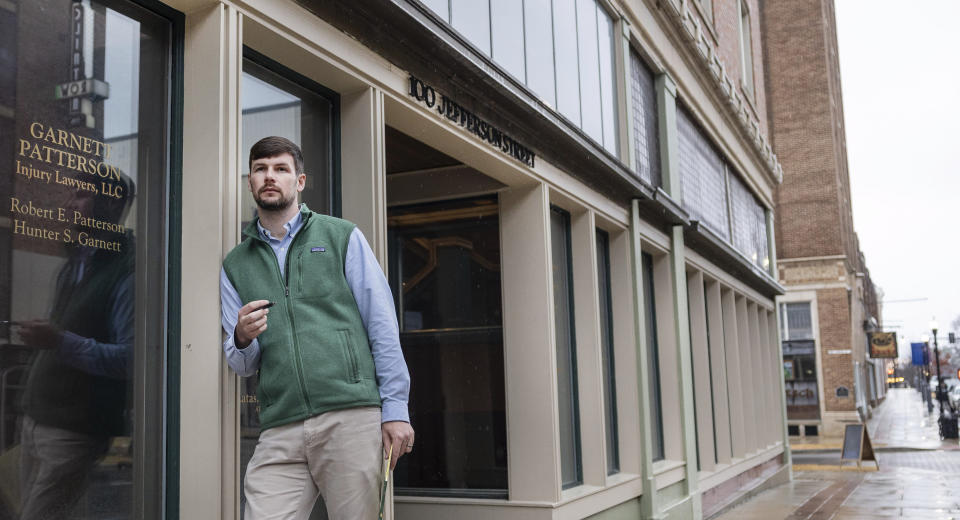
(398, 434)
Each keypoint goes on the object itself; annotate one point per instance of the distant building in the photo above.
(831, 302)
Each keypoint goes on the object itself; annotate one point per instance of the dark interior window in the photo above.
(567, 400)
(445, 276)
(653, 357)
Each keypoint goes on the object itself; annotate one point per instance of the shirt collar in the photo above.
(292, 227)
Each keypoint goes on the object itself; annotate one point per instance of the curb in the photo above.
(820, 451)
(835, 468)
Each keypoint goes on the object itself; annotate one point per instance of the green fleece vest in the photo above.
(315, 354)
(65, 397)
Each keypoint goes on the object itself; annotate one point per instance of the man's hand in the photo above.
(398, 434)
(251, 322)
(39, 334)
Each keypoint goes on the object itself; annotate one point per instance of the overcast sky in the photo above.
(901, 96)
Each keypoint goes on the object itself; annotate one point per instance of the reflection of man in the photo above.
(330, 358)
(76, 389)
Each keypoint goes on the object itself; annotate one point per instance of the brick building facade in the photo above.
(831, 302)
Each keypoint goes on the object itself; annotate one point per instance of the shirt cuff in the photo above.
(69, 342)
(249, 351)
(394, 411)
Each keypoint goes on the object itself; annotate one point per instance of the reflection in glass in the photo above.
(83, 151)
(562, 49)
(589, 55)
(290, 106)
(567, 399)
(441, 7)
(565, 59)
(472, 19)
(507, 31)
(608, 80)
(445, 275)
(538, 36)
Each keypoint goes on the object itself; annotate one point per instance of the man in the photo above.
(76, 391)
(305, 303)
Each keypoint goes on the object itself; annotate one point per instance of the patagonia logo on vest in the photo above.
(317, 249)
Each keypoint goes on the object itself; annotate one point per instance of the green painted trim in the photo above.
(669, 137)
(629, 510)
(672, 496)
(648, 501)
(678, 274)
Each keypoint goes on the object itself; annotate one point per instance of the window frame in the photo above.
(747, 76)
(652, 341)
(334, 183)
(394, 268)
(652, 142)
(566, 222)
(785, 323)
(608, 352)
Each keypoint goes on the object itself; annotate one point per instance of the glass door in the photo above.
(84, 148)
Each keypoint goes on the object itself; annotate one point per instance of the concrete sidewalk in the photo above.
(900, 422)
(918, 477)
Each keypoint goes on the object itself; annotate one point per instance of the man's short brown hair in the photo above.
(273, 146)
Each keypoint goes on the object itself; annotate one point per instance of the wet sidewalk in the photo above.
(902, 421)
(918, 477)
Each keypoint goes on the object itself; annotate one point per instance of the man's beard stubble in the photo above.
(280, 204)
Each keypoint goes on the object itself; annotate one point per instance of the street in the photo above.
(918, 476)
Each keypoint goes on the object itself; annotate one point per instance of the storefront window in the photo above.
(84, 144)
(279, 102)
(799, 361)
(653, 357)
(567, 398)
(608, 359)
(445, 276)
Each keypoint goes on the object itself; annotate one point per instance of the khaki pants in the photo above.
(54, 468)
(337, 455)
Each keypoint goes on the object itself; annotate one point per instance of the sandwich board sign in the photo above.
(857, 446)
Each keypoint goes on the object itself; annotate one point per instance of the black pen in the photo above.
(266, 306)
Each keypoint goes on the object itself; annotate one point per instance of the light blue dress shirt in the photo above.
(374, 300)
(110, 359)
